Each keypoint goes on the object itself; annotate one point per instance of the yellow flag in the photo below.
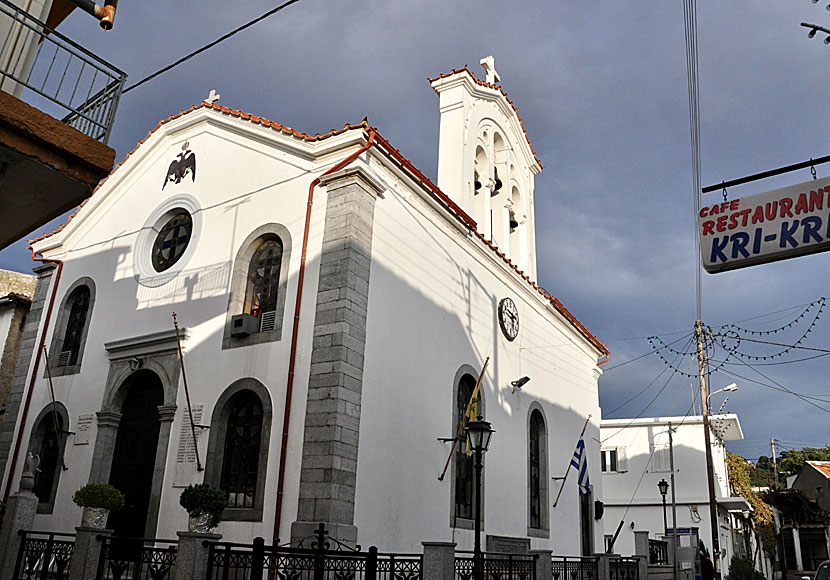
(472, 414)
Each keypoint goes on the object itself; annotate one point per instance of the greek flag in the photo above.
(580, 463)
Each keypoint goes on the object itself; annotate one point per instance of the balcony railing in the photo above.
(54, 73)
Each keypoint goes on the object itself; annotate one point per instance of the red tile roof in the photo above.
(822, 466)
(463, 69)
(394, 154)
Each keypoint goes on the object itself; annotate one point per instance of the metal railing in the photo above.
(228, 561)
(497, 566)
(574, 568)
(624, 569)
(62, 75)
(658, 552)
(44, 556)
(136, 559)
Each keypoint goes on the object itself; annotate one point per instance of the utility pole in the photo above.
(774, 462)
(710, 473)
(675, 543)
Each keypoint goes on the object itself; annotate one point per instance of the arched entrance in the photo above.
(134, 457)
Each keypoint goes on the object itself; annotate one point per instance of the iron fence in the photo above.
(228, 561)
(574, 568)
(136, 559)
(658, 552)
(43, 556)
(624, 569)
(497, 566)
(83, 88)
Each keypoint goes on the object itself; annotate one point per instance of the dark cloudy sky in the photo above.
(602, 89)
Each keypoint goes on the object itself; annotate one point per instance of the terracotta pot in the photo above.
(199, 523)
(95, 517)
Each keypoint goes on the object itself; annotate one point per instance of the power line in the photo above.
(778, 387)
(210, 45)
(665, 368)
(687, 334)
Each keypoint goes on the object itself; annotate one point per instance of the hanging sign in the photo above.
(766, 227)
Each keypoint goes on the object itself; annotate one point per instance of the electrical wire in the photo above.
(643, 390)
(210, 45)
(686, 335)
(690, 30)
(778, 387)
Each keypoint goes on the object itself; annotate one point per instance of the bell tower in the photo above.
(485, 161)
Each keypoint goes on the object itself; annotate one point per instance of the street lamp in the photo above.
(479, 432)
(664, 489)
(728, 389)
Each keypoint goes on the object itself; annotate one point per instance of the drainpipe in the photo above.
(295, 332)
(39, 348)
(105, 14)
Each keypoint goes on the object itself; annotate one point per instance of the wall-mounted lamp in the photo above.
(519, 383)
(136, 363)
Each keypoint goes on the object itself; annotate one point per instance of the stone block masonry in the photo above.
(332, 421)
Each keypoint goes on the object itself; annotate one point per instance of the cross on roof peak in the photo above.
(488, 63)
(212, 97)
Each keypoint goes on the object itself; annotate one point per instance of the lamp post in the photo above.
(663, 485)
(728, 389)
(479, 432)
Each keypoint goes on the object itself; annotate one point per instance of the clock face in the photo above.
(508, 318)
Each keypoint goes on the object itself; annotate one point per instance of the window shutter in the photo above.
(622, 460)
(660, 458)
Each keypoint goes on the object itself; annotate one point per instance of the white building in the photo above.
(636, 457)
(336, 309)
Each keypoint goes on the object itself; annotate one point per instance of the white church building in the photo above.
(335, 308)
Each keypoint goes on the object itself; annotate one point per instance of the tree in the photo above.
(740, 470)
(792, 460)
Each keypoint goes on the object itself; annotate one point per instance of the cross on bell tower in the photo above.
(488, 63)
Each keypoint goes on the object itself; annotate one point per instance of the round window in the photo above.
(172, 240)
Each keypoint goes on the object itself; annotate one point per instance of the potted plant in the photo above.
(204, 505)
(98, 499)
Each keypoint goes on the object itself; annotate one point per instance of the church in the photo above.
(300, 320)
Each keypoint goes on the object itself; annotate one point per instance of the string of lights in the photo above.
(820, 303)
(730, 337)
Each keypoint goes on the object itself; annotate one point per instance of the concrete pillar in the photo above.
(604, 566)
(641, 544)
(799, 564)
(439, 561)
(84, 564)
(20, 515)
(192, 557)
(643, 563)
(544, 568)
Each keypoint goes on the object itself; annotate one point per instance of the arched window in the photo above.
(537, 473)
(259, 284)
(72, 326)
(78, 304)
(463, 463)
(463, 474)
(47, 444)
(237, 457)
(263, 282)
(243, 439)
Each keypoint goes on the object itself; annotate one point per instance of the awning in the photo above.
(734, 504)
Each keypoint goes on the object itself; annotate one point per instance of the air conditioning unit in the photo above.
(244, 324)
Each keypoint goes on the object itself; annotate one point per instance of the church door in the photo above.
(134, 457)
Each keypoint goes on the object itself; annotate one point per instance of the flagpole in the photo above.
(568, 470)
(187, 396)
(464, 419)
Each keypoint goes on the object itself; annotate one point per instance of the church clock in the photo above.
(508, 318)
